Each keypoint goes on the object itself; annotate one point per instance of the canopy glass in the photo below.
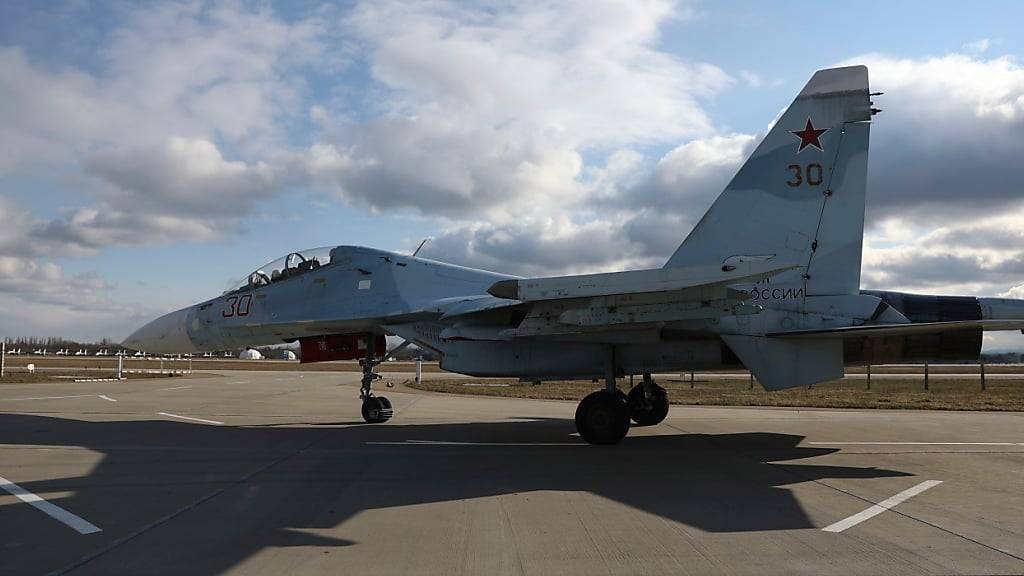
(294, 264)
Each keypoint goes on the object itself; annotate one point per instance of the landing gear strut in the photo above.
(375, 409)
(603, 417)
(647, 402)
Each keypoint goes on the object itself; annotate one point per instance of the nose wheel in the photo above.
(375, 409)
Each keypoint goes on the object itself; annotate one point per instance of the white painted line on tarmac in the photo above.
(447, 443)
(203, 420)
(881, 507)
(52, 510)
(107, 398)
(47, 397)
(172, 388)
(920, 443)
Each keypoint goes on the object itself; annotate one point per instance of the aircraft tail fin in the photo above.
(799, 198)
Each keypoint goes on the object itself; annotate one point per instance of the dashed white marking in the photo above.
(203, 420)
(79, 524)
(447, 443)
(107, 398)
(172, 388)
(920, 443)
(881, 507)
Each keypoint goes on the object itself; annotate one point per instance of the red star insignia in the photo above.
(809, 136)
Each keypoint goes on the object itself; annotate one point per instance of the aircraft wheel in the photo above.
(377, 409)
(647, 413)
(602, 418)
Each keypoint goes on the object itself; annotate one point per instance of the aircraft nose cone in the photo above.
(167, 334)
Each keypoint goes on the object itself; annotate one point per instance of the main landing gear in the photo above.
(647, 402)
(376, 409)
(603, 417)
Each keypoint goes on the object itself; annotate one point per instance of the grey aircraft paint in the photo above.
(794, 213)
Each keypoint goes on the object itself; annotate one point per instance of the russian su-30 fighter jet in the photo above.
(769, 278)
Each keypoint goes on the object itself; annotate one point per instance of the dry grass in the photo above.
(69, 375)
(945, 394)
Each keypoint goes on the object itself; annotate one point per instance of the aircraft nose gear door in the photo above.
(375, 408)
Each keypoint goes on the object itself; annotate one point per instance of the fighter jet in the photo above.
(769, 279)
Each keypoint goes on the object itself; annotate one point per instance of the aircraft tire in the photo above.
(602, 418)
(376, 409)
(647, 415)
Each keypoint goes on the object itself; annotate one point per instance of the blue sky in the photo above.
(158, 151)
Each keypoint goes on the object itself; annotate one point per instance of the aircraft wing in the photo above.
(902, 329)
(635, 281)
(563, 305)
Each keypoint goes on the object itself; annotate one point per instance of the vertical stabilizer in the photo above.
(799, 198)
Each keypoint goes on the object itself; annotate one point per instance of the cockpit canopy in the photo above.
(289, 266)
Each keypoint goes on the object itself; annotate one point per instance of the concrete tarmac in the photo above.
(276, 473)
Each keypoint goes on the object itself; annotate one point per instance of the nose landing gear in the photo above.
(375, 409)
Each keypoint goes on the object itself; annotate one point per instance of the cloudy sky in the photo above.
(152, 153)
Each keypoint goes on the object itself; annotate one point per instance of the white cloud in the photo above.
(755, 80)
(38, 298)
(980, 257)
(524, 129)
(177, 83)
(485, 110)
(978, 46)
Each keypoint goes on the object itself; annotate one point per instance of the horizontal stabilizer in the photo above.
(635, 281)
(901, 329)
(780, 364)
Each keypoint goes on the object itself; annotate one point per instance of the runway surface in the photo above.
(275, 473)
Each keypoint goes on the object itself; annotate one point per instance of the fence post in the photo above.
(751, 380)
(120, 366)
(691, 378)
(3, 357)
(926, 376)
(982, 365)
(419, 369)
(869, 376)
(161, 365)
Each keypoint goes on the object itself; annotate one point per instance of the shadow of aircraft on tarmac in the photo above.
(269, 486)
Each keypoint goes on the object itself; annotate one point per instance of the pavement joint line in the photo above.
(174, 514)
(172, 388)
(888, 503)
(77, 523)
(927, 523)
(190, 418)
